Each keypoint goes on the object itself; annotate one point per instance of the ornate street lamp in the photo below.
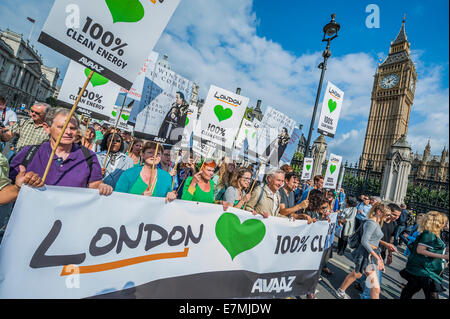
(330, 32)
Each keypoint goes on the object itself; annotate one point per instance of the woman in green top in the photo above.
(136, 180)
(200, 187)
(424, 268)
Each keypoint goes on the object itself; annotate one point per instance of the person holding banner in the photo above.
(147, 180)
(287, 205)
(73, 165)
(200, 187)
(235, 194)
(318, 185)
(265, 199)
(117, 161)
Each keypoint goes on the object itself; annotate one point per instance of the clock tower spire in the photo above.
(391, 101)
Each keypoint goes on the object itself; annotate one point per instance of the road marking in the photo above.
(339, 264)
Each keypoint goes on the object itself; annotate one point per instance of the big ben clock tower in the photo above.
(392, 98)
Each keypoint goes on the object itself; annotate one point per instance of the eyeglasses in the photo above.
(324, 207)
(33, 111)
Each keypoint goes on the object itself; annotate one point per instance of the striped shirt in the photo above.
(29, 133)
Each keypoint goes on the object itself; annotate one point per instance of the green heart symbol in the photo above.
(187, 121)
(125, 10)
(332, 168)
(221, 113)
(125, 117)
(332, 105)
(114, 113)
(246, 132)
(96, 79)
(237, 237)
(254, 134)
(308, 167)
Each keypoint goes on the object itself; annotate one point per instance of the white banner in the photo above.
(99, 97)
(80, 244)
(111, 37)
(332, 173)
(331, 109)
(191, 121)
(219, 121)
(307, 170)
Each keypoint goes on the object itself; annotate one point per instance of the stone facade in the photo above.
(432, 167)
(319, 153)
(24, 78)
(391, 101)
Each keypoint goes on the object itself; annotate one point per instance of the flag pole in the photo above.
(69, 117)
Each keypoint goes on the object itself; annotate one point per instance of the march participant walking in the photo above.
(236, 193)
(148, 180)
(117, 162)
(72, 165)
(30, 131)
(200, 187)
(424, 267)
(367, 256)
(287, 205)
(362, 209)
(347, 220)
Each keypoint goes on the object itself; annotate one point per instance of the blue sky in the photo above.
(271, 50)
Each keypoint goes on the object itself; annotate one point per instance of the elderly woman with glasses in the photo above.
(148, 180)
(116, 161)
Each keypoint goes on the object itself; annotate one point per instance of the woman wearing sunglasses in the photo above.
(117, 161)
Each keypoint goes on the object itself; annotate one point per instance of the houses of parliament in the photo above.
(392, 98)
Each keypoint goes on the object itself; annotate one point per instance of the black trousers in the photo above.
(342, 244)
(415, 283)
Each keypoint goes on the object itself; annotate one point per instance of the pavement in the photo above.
(391, 282)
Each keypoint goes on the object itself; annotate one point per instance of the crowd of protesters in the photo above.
(108, 160)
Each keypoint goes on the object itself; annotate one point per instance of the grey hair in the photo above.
(52, 112)
(273, 172)
(47, 107)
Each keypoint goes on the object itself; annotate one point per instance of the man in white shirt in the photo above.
(7, 116)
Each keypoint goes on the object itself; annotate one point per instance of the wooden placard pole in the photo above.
(150, 182)
(175, 168)
(254, 181)
(69, 117)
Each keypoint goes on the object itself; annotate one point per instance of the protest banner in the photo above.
(332, 172)
(273, 136)
(291, 147)
(161, 114)
(97, 99)
(245, 132)
(122, 124)
(307, 169)
(219, 121)
(102, 247)
(191, 121)
(331, 109)
(107, 36)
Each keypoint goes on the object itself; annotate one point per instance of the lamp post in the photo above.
(330, 31)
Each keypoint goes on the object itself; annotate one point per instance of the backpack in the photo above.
(34, 148)
(355, 239)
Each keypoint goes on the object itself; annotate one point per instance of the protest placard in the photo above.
(98, 98)
(219, 121)
(332, 172)
(196, 247)
(308, 163)
(161, 114)
(273, 136)
(331, 109)
(289, 152)
(107, 36)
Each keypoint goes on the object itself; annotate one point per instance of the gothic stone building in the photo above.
(432, 167)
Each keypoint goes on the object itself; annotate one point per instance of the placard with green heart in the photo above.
(236, 237)
(308, 167)
(332, 105)
(221, 113)
(332, 168)
(125, 10)
(114, 113)
(96, 79)
(186, 122)
(125, 117)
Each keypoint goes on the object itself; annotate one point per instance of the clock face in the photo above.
(389, 81)
(412, 84)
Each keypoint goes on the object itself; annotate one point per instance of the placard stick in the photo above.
(131, 146)
(186, 176)
(69, 117)
(85, 132)
(175, 168)
(150, 182)
(112, 137)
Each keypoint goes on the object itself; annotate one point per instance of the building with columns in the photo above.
(432, 167)
(24, 78)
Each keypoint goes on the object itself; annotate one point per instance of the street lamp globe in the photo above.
(331, 29)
